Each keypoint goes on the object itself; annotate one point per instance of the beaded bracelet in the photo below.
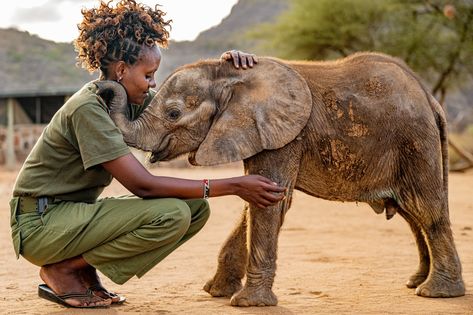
(206, 188)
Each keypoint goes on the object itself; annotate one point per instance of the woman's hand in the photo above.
(259, 190)
(239, 58)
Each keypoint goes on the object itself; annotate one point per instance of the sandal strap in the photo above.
(75, 295)
(97, 287)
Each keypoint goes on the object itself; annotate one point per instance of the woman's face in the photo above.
(139, 77)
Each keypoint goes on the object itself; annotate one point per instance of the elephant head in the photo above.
(219, 113)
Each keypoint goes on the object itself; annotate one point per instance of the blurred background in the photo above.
(434, 37)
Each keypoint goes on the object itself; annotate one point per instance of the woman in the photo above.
(59, 223)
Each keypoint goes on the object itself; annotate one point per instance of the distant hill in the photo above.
(29, 64)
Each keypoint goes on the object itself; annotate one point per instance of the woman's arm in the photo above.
(135, 177)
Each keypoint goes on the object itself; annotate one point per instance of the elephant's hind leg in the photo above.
(430, 211)
(232, 262)
(424, 258)
(445, 279)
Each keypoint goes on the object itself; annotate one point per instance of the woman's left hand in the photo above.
(240, 58)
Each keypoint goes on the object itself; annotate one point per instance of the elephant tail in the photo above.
(442, 124)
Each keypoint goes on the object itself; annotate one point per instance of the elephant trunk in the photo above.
(115, 96)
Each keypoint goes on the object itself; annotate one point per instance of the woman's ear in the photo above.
(120, 69)
(265, 108)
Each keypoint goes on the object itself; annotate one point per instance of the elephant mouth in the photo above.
(157, 156)
(191, 158)
(160, 152)
(154, 157)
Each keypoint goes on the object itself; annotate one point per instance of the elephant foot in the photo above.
(252, 296)
(416, 279)
(441, 287)
(222, 286)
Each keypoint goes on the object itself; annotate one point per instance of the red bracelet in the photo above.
(206, 188)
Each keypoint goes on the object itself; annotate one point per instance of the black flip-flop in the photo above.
(47, 293)
(99, 287)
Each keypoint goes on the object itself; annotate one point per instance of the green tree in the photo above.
(435, 37)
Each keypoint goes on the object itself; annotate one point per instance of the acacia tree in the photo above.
(434, 37)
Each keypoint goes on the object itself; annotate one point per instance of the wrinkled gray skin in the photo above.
(359, 129)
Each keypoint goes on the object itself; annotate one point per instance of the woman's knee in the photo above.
(182, 214)
(172, 214)
(203, 211)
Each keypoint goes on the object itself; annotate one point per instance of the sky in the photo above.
(57, 19)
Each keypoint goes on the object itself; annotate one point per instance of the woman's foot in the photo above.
(91, 280)
(64, 278)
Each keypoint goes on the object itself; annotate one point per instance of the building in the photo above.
(25, 113)
(37, 77)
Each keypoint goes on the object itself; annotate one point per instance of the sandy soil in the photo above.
(334, 258)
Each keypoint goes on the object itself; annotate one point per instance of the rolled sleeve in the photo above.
(97, 138)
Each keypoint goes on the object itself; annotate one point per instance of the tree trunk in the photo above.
(465, 155)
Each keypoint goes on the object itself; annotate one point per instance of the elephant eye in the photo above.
(173, 114)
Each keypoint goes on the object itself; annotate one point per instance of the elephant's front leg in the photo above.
(232, 262)
(263, 227)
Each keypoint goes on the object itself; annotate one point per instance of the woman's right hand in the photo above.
(259, 190)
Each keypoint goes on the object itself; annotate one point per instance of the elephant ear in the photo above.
(265, 108)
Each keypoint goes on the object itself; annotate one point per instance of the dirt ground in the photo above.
(334, 258)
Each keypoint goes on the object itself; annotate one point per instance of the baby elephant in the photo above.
(361, 129)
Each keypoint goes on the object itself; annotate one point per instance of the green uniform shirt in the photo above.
(65, 162)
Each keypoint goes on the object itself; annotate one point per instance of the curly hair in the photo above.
(108, 34)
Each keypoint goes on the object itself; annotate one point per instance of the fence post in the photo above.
(10, 156)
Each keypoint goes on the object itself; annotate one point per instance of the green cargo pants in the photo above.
(121, 237)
